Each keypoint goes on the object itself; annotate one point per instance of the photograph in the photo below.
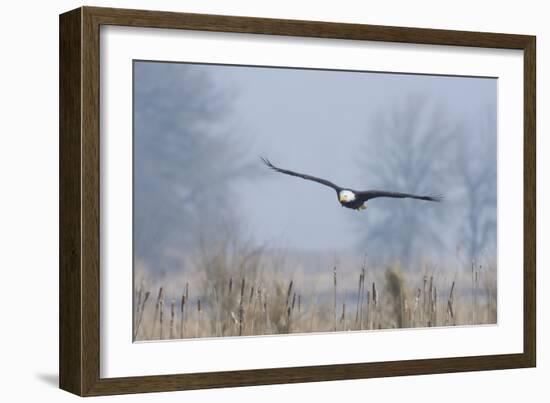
(273, 200)
(252, 199)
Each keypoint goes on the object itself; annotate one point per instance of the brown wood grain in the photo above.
(80, 195)
(530, 203)
(70, 274)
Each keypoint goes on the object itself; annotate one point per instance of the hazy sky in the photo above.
(319, 122)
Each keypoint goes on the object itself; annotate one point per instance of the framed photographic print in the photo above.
(249, 201)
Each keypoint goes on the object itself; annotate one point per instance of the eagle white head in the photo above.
(346, 196)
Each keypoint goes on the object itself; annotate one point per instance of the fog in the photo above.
(200, 130)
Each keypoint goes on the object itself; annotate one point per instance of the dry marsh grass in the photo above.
(239, 294)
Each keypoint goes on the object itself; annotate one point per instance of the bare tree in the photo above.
(186, 158)
(408, 148)
(476, 165)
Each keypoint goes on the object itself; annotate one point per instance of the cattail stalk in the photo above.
(476, 274)
(157, 307)
(374, 305)
(429, 306)
(250, 297)
(434, 309)
(358, 299)
(450, 311)
(255, 301)
(288, 293)
(473, 294)
(267, 319)
(182, 315)
(198, 332)
(140, 318)
(216, 309)
(172, 318)
(138, 304)
(424, 291)
(242, 290)
(241, 308)
(416, 305)
(161, 317)
(290, 311)
(368, 309)
(335, 295)
(343, 318)
(362, 297)
(241, 320)
(229, 318)
(186, 307)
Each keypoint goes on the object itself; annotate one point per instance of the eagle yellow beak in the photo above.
(342, 198)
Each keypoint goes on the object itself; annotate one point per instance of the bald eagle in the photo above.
(353, 199)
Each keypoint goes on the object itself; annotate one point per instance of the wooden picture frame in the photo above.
(79, 279)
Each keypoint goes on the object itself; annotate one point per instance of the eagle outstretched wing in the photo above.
(299, 175)
(371, 194)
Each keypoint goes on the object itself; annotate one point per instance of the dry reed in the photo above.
(268, 306)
